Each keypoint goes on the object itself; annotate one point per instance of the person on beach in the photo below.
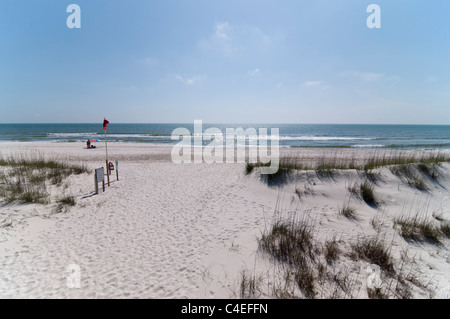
(88, 143)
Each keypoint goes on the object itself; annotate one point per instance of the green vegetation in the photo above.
(427, 163)
(304, 268)
(374, 251)
(288, 242)
(250, 286)
(331, 250)
(416, 170)
(418, 229)
(348, 212)
(26, 178)
(445, 229)
(367, 193)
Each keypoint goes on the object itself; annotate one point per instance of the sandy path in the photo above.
(149, 236)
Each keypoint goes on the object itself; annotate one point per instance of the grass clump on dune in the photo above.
(445, 229)
(26, 178)
(348, 212)
(331, 250)
(367, 193)
(291, 243)
(250, 286)
(288, 242)
(401, 164)
(374, 251)
(414, 174)
(416, 229)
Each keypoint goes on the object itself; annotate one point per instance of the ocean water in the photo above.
(291, 135)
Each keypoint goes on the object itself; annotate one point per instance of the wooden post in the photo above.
(117, 170)
(107, 171)
(96, 182)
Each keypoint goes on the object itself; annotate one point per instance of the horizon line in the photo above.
(223, 123)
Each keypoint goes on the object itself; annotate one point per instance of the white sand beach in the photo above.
(168, 230)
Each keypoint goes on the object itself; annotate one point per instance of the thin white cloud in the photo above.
(431, 79)
(363, 76)
(189, 81)
(253, 72)
(229, 40)
(393, 80)
(311, 84)
(129, 88)
(147, 61)
(372, 77)
(223, 30)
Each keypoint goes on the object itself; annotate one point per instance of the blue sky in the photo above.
(246, 61)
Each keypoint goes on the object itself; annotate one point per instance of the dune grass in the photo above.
(288, 242)
(374, 251)
(307, 267)
(25, 178)
(420, 230)
(426, 163)
(367, 193)
(415, 169)
(445, 229)
(332, 250)
(348, 212)
(415, 175)
(250, 286)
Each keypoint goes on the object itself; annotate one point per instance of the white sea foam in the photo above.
(369, 146)
(100, 135)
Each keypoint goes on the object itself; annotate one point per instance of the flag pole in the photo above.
(107, 165)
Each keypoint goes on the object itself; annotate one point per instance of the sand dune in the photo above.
(189, 230)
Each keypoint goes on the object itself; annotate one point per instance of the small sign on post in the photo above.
(99, 177)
